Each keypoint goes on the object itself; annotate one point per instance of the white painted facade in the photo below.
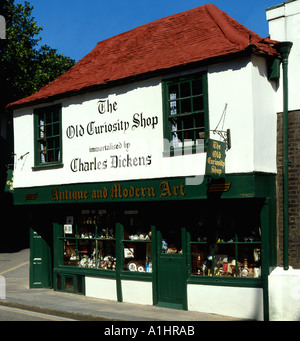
(284, 25)
(241, 84)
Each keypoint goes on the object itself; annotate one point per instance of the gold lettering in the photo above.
(182, 190)
(216, 145)
(165, 189)
(54, 194)
(137, 192)
(143, 192)
(175, 188)
(151, 192)
(116, 191)
(125, 192)
(131, 192)
(99, 193)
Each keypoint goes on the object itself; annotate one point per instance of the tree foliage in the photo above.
(25, 68)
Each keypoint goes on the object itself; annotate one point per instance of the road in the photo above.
(14, 314)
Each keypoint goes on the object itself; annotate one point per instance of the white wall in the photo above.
(103, 288)
(243, 85)
(284, 295)
(284, 25)
(137, 292)
(246, 303)
(240, 83)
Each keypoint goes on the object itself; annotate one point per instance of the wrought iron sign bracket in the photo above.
(225, 135)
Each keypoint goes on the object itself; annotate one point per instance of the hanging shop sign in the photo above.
(215, 160)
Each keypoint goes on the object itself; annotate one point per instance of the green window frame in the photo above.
(48, 136)
(186, 124)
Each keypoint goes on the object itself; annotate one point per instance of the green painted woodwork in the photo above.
(171, 275)
(40, 261)
(253, 185)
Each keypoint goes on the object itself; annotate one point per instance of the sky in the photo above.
(74, 27)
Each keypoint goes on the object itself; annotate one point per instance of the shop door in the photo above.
(171, 269)
(40, 262)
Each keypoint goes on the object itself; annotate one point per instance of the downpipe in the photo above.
(284, 49)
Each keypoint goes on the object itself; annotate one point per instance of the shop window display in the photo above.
(226, 246)
(89, 242)
(137, 242)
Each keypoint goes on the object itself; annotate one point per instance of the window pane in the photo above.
(41, 126)
(138, 257)
(171, 240)
(48, 130)
(69, 252)
(106, 255)
(199, 120)
(56, 129)
(56, 116)
(185, 90)
(173, 103)
(197, 87)
(201, 265)
(185, 106)
(197, 103)
(86, 253)
(188, 122)
(50, 156)
(173, 91)
(49, 118)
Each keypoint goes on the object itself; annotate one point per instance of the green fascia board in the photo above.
(247, 185)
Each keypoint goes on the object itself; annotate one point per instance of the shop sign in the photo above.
(118, 191)
(215, 159)
(112, 126)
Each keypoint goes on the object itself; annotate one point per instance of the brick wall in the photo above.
(294, 189)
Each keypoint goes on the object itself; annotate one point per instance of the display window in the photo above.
(89, 240)
(227, 245)
(137, 244)
(219, 242)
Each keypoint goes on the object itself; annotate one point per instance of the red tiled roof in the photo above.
(192, 36)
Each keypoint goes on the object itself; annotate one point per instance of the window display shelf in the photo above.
(136, 241)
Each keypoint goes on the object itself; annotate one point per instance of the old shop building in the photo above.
(124, 202)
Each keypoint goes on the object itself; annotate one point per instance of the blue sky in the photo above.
(74, 27)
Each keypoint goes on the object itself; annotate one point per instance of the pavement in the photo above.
(14, 268)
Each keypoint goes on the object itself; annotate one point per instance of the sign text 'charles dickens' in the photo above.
(215, 160)
(118, 191)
